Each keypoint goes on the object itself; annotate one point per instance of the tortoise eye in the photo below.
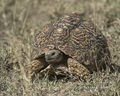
(53, 53)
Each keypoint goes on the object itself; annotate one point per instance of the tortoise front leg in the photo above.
(77, 69)
(36, 66)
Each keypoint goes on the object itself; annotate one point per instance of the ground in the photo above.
(21, 19)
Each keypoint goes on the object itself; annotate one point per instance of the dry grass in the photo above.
(21, 19)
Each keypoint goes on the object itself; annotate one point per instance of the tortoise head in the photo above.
(53, 56)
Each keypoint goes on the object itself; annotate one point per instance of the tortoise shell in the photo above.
(75, 37)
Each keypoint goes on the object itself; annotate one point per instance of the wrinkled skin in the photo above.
(57, 63)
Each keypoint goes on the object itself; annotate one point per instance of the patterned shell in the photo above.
(74, 36)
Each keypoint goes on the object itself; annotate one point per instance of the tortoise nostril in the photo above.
(53, 54)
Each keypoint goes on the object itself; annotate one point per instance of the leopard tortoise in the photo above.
(68, 45)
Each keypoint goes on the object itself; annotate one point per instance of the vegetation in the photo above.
(21, 19)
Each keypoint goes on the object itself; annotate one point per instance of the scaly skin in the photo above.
(36, 66)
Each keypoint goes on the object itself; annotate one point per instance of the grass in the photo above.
(21, 19)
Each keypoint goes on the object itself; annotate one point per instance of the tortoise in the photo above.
(70, 45)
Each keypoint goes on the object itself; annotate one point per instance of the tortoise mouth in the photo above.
(53, 56)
